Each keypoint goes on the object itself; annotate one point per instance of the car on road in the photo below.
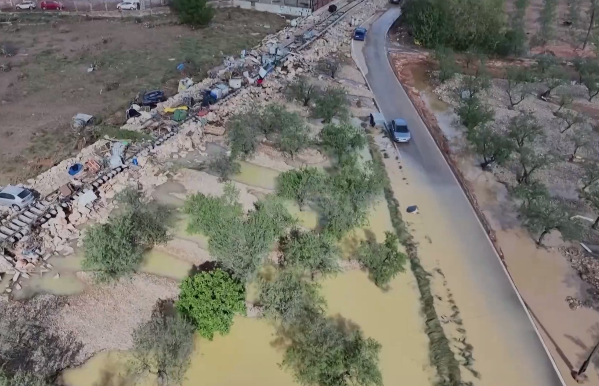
(27, 4)
(128, 5)
(360, 33)
(399, 131)
(16, 197)
(51, 5)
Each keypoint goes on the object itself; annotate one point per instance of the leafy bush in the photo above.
(383, 261)
(194, 12)
(239, 244)
(288, 297)
(300, 185)
(310, 252)
(329, 65)
(332, 102)
(224, 166)
(210, 300)
(244, 131)
(22, 378)
(116, 248)
(492, 146)
(163, 345)
(302, 90)
(327, 352)
(343, 140)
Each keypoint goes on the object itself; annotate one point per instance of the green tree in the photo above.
(516, 89)
(553, 78)
(564, 101)
(327, 353)
(293, 138)
(244, 132)
(544, 63)
(547, 22)
(530, 162)
(288, 298)
(530, 192)
(591, 82)
(382, 260)
(22, 378)
(302, 90)
(224, 166)
(473, 112)
(570, 119)
(329, 65)
(274, 116)
(579, 139)
(163, 346)
(301, 185)
(332, 102)
(489, 144)
(343, 140)
(210, 300)
(544, 214)
(310, 252)
(524, 130)
(116, 248)
(239, 243)
(197, 13)
(446, 60)
(590, 174)
(481, 80)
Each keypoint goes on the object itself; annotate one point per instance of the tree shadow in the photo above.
(586, 347)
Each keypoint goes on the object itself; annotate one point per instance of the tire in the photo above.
(16, 207)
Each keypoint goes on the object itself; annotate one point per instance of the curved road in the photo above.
(507, 348)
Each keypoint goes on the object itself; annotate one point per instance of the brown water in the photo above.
(249, 355)
(254, 175)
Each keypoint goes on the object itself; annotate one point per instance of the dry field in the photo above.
(49, 82)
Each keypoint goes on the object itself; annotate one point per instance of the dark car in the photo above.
(399, 131)
(51, 5)
(360, 33)
(152, 98)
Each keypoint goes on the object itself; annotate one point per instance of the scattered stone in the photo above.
(57, 276)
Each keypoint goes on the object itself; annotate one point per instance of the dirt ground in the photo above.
(49, 81)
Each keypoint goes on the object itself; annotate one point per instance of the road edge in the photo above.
(469, 196)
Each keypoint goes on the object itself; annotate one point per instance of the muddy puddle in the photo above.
(254, 175)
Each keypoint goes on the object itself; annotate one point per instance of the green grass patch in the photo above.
(125, 135)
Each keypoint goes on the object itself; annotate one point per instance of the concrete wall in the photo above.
(275, 7)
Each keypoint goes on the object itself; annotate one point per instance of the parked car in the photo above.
(152, 98)
(128, 5)
(16, 197)
(51, 5)
(399, 131)
(360, 33)
(27, 4)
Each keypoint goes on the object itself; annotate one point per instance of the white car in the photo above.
(27, 4)
(16, 197)
(127, 5)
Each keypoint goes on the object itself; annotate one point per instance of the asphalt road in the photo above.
(481, 265)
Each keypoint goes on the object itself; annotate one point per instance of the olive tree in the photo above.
(224, 166)
(492, 146)
(210, 300)
(545, 214)
(330, 103)
(383, 261)
(327, 352)
(288, 297)
(570, 118)
(343, 140)
(244, 131)
(590, 174)
(302, 90)
(329, 65)
(301, 185)
(447, 63)
(524, 130)
(163, 346)
(592, 198)
(528, 162)
(473, 112)
(579, 138)
(310, 252)
(517, 79)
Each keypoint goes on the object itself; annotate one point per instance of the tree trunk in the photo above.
(596, 223)
(541, 237)
(586, 38)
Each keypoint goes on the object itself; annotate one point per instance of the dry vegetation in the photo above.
(47, 81)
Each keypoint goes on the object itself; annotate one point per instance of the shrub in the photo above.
(300, 185)
(288, 297)
(194, 12)
(310, 252)
(163, 345)
(116, 248)
(447, 63)
(383, 261)
(210, 300)
(332, 102)
(244, 131)
(329, 65)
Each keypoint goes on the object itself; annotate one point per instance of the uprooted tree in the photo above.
(116, 248)
(210, 300)
(383, 261)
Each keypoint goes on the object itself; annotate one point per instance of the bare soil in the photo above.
(49, 80)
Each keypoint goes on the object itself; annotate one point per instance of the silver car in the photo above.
(400, 131)
(16, 197)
